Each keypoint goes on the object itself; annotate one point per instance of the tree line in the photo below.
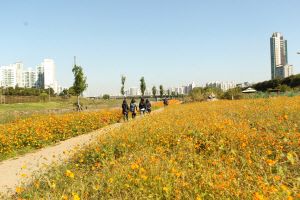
(286, 84)
(143, 88)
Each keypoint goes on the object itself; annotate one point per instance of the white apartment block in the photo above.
(43, 77)
(60, 89)
(148, 92)
(29, 78)
(19, 70)
(8, 76)
(49, 74)
(223, 85)
(133, 91)
(283, 71)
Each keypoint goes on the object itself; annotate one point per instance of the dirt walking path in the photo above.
(21, 170)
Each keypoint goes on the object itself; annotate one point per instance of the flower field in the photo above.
(246, 149)
(24, 135)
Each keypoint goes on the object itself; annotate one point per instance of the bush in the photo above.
(201, 94)
(76, 103)
(44, 96)
(106, 96)
(236, 93)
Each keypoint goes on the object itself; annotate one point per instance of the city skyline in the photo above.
(168, 43)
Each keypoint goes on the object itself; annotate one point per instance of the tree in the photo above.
(283, 88)
(173, 94)
(44, 96)
(123, 79)
(71, 91)
(65, 91)
(79, 84)
(106, 96)
(296, 81)
(143, 85)
(154, 91)
(169, 93)
(161, 90)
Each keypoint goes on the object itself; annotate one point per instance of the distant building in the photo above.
(49, 74)
(245, 84)
(8, 76)
(179, 90)
(278, 49)
(283, 71)
(29, 78)
(133, 91)
(223, 85)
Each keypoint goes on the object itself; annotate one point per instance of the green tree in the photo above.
(161, 90)
(44, 96)
(295, 81)
(173, 94)
(79, 84)
(283, 88)
(106, 96)
(65, 91)
(143, 85)
(71, 91)
(38, 91)
(169, 93)
(154, 91)
(123, 79)
(235, 93)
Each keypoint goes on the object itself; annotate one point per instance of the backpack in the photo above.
(168, 102)
(132, 107)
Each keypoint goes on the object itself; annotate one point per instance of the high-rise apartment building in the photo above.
(283, 71)
(8, 76)
(29, 78)
(49, 74)
(278, 48)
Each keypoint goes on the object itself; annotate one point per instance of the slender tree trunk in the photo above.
(78, 104)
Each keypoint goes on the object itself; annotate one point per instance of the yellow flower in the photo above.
(18, 190)
(127, 185)
(76, 197)
(64, 197)
(23, 175)
(165, 188)
(111, 179)
(283, 187)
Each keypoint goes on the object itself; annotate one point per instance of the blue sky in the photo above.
(168, 42)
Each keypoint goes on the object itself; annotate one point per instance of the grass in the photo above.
(247, 149)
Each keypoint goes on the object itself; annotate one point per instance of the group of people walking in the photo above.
(144, 107)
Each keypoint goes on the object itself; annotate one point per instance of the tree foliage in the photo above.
(44, 96)
(106, 96)
(161, 90)
(154, 91)
(292, 81)
(79, 84)
(143, 85)
(123, 79)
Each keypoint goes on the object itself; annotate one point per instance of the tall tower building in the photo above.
(49, 74)
(278, 48)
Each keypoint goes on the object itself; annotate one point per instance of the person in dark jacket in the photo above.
(125, 110)
(133, 108)
(142, 106)
(148, 106)
(165, 102)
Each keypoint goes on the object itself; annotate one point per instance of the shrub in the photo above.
(106, 96)
(44, 96)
